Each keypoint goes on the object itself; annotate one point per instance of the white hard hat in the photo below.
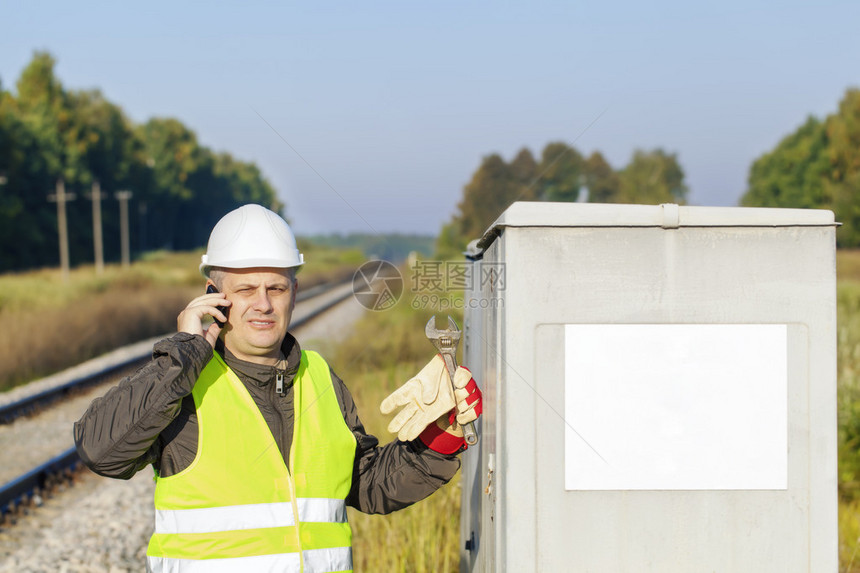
(251, 236)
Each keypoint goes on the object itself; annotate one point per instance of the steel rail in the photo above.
(22, 488)
(9, 412)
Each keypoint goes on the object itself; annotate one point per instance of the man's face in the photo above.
(263, 301)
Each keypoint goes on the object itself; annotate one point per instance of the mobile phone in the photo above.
(224, 309)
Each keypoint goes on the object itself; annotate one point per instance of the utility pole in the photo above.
(123, 197)
(61, 198)
(98, 242)
(142, 211)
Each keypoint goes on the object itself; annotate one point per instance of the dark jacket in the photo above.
(150, 418)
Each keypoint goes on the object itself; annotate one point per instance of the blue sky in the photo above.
(381, 111)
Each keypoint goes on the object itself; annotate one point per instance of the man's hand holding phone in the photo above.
(214, 304)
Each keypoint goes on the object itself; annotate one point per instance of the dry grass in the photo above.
(45, 341)
(848, 399)
(325, 264)
(848, 265)
(50, 324)
(384, 350)
(421, 538)
(849, 536)
(389, 346)
(45, 318)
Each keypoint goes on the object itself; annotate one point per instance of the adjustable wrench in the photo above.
(446, 342)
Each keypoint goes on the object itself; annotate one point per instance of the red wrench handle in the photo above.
(469, 433)
(446, 341)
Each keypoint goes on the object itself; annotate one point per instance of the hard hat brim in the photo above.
(205, 267)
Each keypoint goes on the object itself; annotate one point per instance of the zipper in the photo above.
(281, 391)
(277, 406)
(294, 502)
(297, 396)
(279, 384)
(291, 484)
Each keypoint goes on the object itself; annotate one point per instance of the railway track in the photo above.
(81, 383)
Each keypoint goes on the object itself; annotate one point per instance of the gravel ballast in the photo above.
(99, 524)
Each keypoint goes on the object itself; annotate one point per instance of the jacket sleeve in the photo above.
(118, 434)
(396, 475)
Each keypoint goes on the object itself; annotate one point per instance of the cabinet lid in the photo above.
(666, 216)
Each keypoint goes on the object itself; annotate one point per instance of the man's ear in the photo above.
(295, 292)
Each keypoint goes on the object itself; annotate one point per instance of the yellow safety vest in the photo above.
(238, 507)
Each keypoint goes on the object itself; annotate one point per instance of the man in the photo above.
(256, 444)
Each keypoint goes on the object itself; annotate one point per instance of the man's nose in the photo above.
(262, 302)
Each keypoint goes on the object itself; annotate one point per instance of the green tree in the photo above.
(33, 124)
(816, 166)
(78, 137)
(494, 186)
(101, 147)
(245, 182)
(174, 155)
(43, 105)
(27, 225)
(47, 133)
(179, 168)
(652, 177)
(524, 171)
(793, 174)
(601, 180)
(842, 182)
(449, 243)
(190, 183)
(102, 140)
(562, 173)
(485, 196)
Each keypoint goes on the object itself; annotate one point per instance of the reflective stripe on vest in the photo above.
(208, 519)
(315, 561)
(237, 505)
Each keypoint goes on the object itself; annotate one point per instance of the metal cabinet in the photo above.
(659, 388)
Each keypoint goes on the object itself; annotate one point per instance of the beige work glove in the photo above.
(423, 399)
(446, 435)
